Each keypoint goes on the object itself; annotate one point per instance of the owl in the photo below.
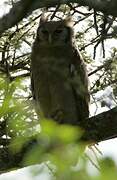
(58, 75)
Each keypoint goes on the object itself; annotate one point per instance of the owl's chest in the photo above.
(51, 67)
(53, 58)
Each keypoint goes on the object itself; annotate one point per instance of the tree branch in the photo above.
(101, 127)
(22, 9)
(97, 128)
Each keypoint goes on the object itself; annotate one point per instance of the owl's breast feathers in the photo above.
(59, 83)
(52, 51)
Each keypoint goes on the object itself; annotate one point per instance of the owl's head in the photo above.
(55, 32)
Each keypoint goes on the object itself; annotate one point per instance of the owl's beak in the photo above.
(50, 38)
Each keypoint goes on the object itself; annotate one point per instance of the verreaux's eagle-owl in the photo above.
(58, 74)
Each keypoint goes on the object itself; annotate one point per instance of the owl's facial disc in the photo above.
(53, 35)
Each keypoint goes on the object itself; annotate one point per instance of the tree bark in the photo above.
(22, 9)
(101, 127)
(97, 128)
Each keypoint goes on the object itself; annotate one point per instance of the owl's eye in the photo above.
(58, 31)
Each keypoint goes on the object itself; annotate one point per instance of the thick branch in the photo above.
(101, 127)
(97, 128)
(22, 9)
(16, 14)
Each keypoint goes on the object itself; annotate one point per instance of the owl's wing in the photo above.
(80, 84)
